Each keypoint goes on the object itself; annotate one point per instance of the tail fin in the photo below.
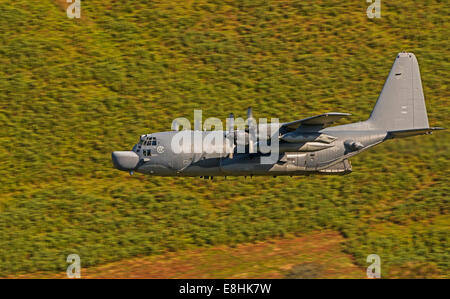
(401, 104)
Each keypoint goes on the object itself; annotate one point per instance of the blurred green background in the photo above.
(73, 90)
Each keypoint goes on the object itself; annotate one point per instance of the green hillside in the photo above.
(74, 90)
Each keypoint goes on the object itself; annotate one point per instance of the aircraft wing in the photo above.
(322, 120)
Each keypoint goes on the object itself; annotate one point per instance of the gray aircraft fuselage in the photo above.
(167, 163)
(306, 146)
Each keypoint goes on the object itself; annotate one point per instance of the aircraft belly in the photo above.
(156, 169)
(181, 161)
(253, 166)
(203, 167)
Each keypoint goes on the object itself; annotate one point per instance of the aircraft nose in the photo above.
(125, 160)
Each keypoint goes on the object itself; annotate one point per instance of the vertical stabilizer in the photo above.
(401, 104)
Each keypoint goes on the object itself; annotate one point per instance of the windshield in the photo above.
(141, 139)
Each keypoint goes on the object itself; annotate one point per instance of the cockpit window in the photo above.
(141, 139)
(151, 141)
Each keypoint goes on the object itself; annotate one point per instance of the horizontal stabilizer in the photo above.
(323, 120)
(412, 132)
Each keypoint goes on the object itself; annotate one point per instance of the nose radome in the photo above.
(125, 160)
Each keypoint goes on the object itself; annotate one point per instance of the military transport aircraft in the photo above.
(305, 146)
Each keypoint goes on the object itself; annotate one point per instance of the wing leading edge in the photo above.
(322, 120)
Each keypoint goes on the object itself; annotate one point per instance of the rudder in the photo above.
(401, 104)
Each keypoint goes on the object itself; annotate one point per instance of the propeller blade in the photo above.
(230, 122)
(175, 126)
(251, 130)
(249, 113)
(230, 134)
(197, 125)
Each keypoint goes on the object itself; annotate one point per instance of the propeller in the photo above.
(230, 133)
(249, 112)
(175, 126)
(230, 123)
(251, 130)
(197, 125)
(239, 136)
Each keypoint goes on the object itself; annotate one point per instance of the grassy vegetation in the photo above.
(315, 254)
(72, 91)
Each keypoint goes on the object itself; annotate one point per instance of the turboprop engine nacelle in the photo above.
(296, 137)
